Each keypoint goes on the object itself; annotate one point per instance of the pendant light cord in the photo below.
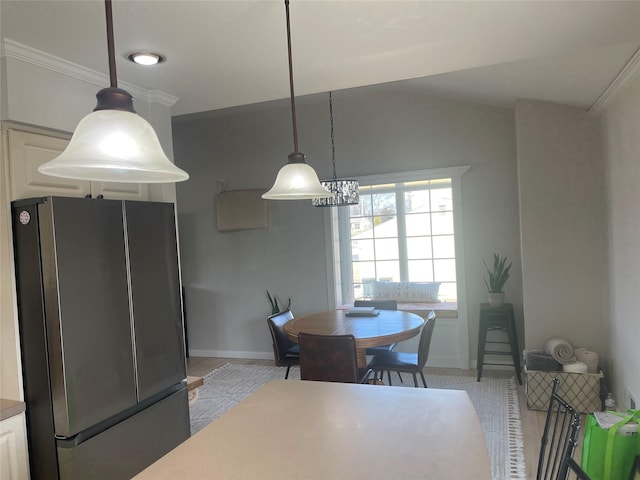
(293, 101)
(333, 145)
(110, 47)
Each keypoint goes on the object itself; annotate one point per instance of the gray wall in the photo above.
(622, 151)
(225, 274)
(562, 199)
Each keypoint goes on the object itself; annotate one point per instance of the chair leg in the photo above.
(389, 376)
(415, 380)
(400, 377)
(424, 382)
(286, 375)
(365, 377)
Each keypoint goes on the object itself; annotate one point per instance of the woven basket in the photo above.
(580, 390)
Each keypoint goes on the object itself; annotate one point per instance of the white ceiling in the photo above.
(222, 54)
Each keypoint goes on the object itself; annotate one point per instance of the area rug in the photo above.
(495, 400)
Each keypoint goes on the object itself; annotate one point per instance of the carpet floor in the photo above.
(495, 401)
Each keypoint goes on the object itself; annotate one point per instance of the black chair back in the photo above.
(378, 304)
(281, 342)
(425, 339)
(559, 439)
(328, 358)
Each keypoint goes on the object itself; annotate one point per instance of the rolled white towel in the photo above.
(575, 367)
(591, 359)
(561, 350)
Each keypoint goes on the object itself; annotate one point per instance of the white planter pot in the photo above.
(496, 299)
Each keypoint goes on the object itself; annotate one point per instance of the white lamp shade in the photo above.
(114, 146)
(297, 181)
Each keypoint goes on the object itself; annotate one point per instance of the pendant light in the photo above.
(296, 180)
(114, 143)
(345, 192)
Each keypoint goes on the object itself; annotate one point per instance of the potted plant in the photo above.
(275, 307)
(498, 276)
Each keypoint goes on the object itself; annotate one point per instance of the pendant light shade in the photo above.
(296, 180)
(113, 143)
(114, 146)
(345, 192)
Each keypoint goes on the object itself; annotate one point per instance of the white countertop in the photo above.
(318, 430)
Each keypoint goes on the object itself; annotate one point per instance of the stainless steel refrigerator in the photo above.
(101, 332)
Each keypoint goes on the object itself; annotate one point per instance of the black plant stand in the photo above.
(503, 319)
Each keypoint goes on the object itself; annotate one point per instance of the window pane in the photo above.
(441, 200)
(363, 272)
(444, 247)
(442, 223)
(383, 204)
(361, 228)
(419, 247)
(362, 250)
(416, 201)
(386, 228)
(367, 287)
(444, 270)
(363, 208)
(418, 224)
(358, 293)
(388, 271)
(447, 292)
(420, 270)
(387, 249)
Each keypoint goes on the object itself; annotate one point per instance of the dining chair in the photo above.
(412, 363)
(576, 470)
(559, 440)
(285, 352)
(330, 358)
(379, 305)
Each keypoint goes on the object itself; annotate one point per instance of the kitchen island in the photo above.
(321, 430)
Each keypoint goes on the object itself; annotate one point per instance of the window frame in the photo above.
(332, 221)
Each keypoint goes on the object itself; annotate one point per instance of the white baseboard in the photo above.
(443, 361)
(231, 354)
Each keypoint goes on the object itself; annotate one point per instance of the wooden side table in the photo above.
(192, 387)
(494, 319)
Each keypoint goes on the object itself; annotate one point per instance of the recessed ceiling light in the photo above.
(146, 58)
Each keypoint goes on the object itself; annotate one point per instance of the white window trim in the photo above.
(455, 173)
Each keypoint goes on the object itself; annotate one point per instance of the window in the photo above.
(403, 230)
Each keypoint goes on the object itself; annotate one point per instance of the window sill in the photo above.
(442, 309)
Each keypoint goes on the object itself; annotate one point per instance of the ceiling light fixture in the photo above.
(296, 180)
(114, 143)
(146, 58)
(345, 192)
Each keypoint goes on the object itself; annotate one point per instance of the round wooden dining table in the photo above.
(389, 326)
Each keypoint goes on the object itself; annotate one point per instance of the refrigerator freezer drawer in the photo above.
(129, 447)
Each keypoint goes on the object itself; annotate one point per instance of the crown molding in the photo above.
(24, 53)
(628, 72)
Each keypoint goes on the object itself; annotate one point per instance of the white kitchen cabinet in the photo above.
(28, 150)
(14, 464)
